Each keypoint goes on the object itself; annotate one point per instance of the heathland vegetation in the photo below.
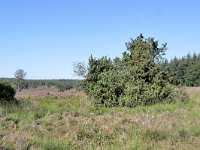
(74, 123)
(136, 101)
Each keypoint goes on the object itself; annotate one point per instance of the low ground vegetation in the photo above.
(43, 93)
(74, 123)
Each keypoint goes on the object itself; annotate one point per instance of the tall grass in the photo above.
(73, 123)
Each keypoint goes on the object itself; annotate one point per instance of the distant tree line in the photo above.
(185, 70)
(8, 86)
(61, 84)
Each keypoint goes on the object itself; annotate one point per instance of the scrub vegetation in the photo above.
(134, 102)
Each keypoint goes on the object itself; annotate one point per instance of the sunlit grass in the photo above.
(74, 123)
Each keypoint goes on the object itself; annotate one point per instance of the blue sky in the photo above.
(44, 37)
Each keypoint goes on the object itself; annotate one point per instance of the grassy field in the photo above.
(73, 123)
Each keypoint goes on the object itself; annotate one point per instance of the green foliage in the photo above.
(64, 87)
(192, 75)
(7, 93)
(138, 78)
(186, 70)
(146, 82)
(102, 82)
(178, 95)
(20, 76)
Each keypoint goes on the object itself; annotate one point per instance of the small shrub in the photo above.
(85, 134)
(183, 133)
(39, 114)
(178, 95)
(7, 93)
(155, 135)
(195, 131)
(63, 88)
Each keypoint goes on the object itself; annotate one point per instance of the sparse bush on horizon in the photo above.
(20, 76)
(64, 87)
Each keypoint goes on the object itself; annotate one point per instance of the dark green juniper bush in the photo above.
(7, 93)
(138, 78)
